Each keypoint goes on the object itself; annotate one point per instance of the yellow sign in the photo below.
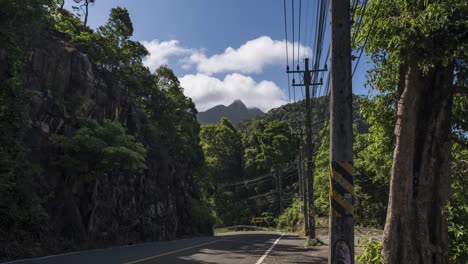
(257, 220)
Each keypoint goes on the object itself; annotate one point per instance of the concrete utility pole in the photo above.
(302, 180)
(278, 175)
(305, 207)
(309, 147)
(341, 226)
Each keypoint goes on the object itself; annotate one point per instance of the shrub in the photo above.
(371, 249)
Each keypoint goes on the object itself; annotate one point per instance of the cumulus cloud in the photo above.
(208, 91)
(237, 63)
(251, 57)
(160, 51)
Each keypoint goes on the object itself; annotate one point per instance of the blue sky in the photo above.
(222, 50)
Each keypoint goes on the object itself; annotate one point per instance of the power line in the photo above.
(361, 16)
(299, 34)
(286, 43)
(367, 38)
(305, 32)
(293, 22)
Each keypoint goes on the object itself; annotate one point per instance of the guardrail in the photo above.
(242, 227)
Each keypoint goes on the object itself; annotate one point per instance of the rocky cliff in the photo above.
(64, 86)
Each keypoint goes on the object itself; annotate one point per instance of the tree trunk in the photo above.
(86, 15)
(415, 229)
(61, 5)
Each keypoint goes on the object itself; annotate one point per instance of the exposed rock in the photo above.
(131, 208)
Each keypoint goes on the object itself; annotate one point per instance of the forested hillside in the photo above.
(244, 164)
(95, 149)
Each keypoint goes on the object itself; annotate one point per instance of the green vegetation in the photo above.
(291, 220)
(96, 149)
(371, 249)
(234, 155)
(457, 209)
(162, 125)
(21, 212)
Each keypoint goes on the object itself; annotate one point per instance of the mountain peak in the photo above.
(235, 112)
(237, 104)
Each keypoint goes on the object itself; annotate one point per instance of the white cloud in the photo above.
(207, 91)
(160, 51)
(251, 57)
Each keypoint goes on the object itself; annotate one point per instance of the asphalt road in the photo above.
(233, 247)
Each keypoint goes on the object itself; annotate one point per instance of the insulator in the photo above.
(297, 67)
(326, 67)
(287, 67)
(294, 81)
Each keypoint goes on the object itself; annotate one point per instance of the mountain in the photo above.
(235, 112)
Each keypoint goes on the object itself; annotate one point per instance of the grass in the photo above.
(313, 243)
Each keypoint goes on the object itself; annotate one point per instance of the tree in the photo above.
(416, 47)
(222, 148)
(85, 4)
(179, 120)
(277, 145)
(95, 150)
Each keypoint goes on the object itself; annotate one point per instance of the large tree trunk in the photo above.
(415, 229)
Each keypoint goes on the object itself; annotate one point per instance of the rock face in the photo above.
(235, 112)
(131, 207)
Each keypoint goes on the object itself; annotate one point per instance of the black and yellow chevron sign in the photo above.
(342, 194)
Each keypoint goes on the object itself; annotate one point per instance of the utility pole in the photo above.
(341, 226)
(302, 180)
(309, 147)
(278, 176)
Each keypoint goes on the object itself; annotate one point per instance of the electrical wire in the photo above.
(287, 53)
(367, 37)
(293, 55)
(353, 39)
(299, 35)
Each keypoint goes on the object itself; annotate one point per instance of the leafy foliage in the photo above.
(457, 209)
(322, 173)
(292, 217)
(100, 148)
(371, 249)
(221, 144)
(267, 144)
(175, 116)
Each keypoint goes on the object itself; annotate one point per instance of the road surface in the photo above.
(233, 247)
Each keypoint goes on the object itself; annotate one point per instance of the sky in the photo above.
(223, 50)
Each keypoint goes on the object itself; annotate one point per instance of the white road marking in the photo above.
(260, 260)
